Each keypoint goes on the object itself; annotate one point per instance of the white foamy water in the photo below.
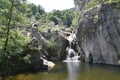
(72, 55)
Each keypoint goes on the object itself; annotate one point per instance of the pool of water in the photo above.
(73, 71)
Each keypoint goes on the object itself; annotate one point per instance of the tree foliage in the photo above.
(34, 11)
(12, 40)
(64, 17)
(92, 3)
(115, 1)
(16, 14)
(51, 48)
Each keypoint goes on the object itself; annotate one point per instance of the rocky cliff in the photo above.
(80, 4)
(52, 43)
(98, 34)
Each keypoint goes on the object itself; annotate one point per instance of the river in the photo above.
(73, 71)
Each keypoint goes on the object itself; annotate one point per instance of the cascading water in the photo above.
(72, 59)
(72, 55)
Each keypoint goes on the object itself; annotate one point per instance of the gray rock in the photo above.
(98, 33)
(35, 34)
(60, 41)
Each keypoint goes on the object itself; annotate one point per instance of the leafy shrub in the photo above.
(17, 41)
(93, 3)
(75, 20)
(12, 59)
(44, 28)
(115, 1)
(51, 48)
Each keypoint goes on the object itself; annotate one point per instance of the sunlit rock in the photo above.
(98, 34)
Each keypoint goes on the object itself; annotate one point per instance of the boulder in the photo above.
(60, 42)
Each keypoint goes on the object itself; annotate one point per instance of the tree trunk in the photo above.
(7, 64)
(8, 26)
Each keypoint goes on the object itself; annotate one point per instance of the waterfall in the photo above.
(72, 55)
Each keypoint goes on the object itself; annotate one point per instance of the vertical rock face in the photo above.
(98, 34)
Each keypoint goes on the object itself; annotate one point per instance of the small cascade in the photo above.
(70, 39)
(72, 55)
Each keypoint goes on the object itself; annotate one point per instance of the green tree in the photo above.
(115, 1)
(51, 48)
(34, 11)
(12, 39)
(59, 17)
(41, 10)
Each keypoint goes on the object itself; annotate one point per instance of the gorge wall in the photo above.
(98, 33)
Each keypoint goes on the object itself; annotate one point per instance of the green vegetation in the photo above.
(93, 3)
(75, 20)
(50, 27)
(64, 17)
(115, 1)
(51, 48)
(12, 40)
(18, 14)
(11, 59)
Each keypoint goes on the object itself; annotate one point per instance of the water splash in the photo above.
(70, 39)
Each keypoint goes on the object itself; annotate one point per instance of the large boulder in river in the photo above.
(98, 34)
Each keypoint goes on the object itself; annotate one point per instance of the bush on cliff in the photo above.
(52, 48)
